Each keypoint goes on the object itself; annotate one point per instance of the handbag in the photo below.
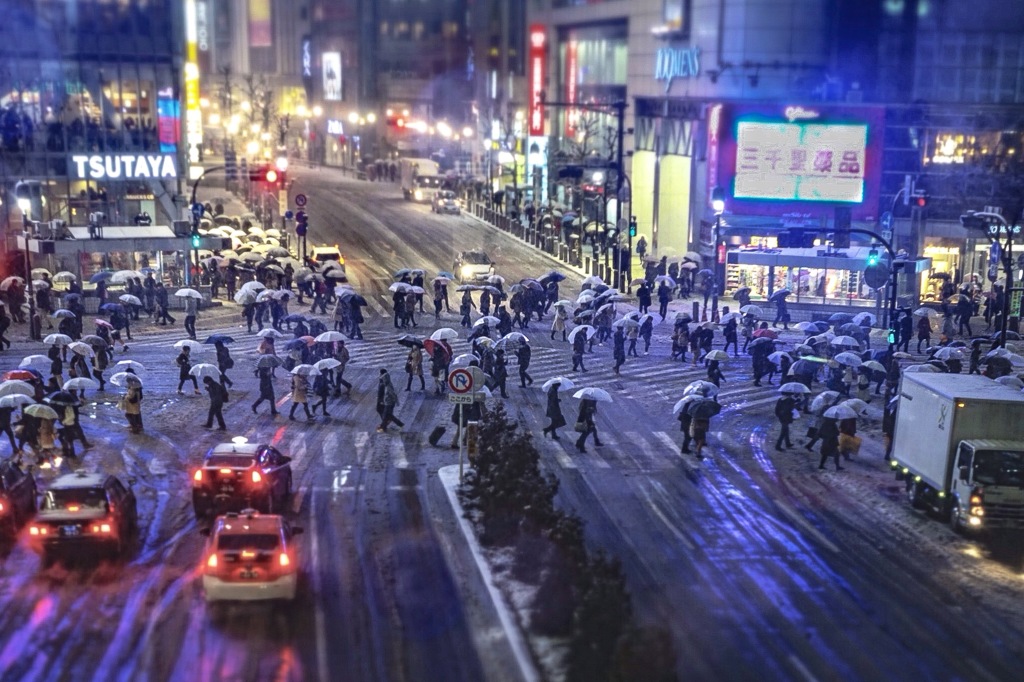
(581, 427)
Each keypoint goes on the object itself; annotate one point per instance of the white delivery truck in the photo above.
(420, 179)
(959, 447)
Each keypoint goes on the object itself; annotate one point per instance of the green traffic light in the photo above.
(196, 241)
(892, 336)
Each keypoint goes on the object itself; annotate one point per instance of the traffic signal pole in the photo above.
(196, 216)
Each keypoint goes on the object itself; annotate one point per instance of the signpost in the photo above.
(462, 384)
(887, 222)
(300, 200)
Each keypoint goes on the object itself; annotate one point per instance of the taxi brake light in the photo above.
(246, 554)
(225, 471)
(198, 475)
(1, 506)
(283, 559)
(33, 530)
(73, 507)
(256, 478)
(212, 561)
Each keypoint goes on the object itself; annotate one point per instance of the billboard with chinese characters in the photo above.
(537, 74)
(774, 160)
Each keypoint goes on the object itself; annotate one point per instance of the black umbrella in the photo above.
(110, 308)
(95, 341)
(410, 341)
(705, 273)
(221, 338)
(352, 298)
(62, 398)
(739, 293)
(760, 341)
(999, 364)
(804, 368)
(850, 329)
(938, 363)
(552, 276)
(703, 409)
(294, 317)
(821, 326)
(781, 293)
(840, 318)
(1010, 336)
(600, 288)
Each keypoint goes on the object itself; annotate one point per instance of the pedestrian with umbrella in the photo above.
(438, 299)
(184, 363)
(322, 390)
(131, 403)
(5, 324)
(664, 296)
(579, 346)
(466, 307)
(523, 356)
(643, 297)
(55, 353)
(266, 377)
(701, 411)
(499, 372)
(387, 400)
(7, 408)
(828, 432)
(163, 316)
(300, 390)
(342, 355)
(784, 409)
(585, 423)
(924, 331)
(715, 374)
(414, 367)
(558, 323)
(70, 421)
(975, 360)
(906, 331)
(632, 335)
(218, 396)
(554, 408)
(731, 332)
(619, 349)
(485, 301)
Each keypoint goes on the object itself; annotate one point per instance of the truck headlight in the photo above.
(974, 521)
(418, 195)
(977, 511)
(466, 271)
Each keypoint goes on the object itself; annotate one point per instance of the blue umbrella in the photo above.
(221, 338)
(552, 276)
(110, 308)
(294, 317)
(352, 298)
(295, 344)
(100, 276)
(445, 273)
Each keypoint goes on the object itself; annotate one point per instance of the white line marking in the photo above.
(361, 439)
(398, 459)
(321, 631)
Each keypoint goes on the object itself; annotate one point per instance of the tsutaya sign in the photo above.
(676, 62)
(128, 166)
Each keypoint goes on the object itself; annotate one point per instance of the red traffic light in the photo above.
(271, 175)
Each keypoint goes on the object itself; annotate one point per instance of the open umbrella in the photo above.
(122, 276)
(400, 287)
(463, 360)
(188, 293)
(129, 299)
(38, 284)
(716, 354)
(269, 333)
(124, 379)
(794, 387)
(17, 387)
(625, 323)
(63, 398)
(927, 312)
(40, 411)
(754, 310)
(703, 408)
(740, 293)
(665, 279)
(765, 334)
(330, 337)
(845, 341)
(683, 317)
(245, 297)
(194, 345)
(326, 364)
(729, 317)
(584, 329)
(265, 295)
(808, 327)
(865, 319)
(683, 402)
(552, 276)
(205, 369)
(701, 387)
(874, 366)
(564, 384)
(306, 370)
(849, 359)
(81, 349)
(351, 297)
(399, 274)
(803, 349)
(591, 393)
(218, 338)
(444, 334)
(840, 411)
(926, 368)
(851, 329)
(8, 282)
(804, 367)
(57, 340)
(15, 400)
(64, 277)
(253, 286)
(268, 361)
(98, 277)
(486, 319)
(760, 341)
(900, 355)
(781, 293)
(467, 287)
(81, 384)
(62, 313)
(125, 365)
(856, 404)
(443, 281)
(948, 353)
(840, 318)
(778, 356)
(410, 341)
(39, 272)
(1011, 381)
(592, 280)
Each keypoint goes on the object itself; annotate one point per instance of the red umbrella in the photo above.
(103, 323)
(21, 375)
(430, 345)
(308, 339)
(765, 334)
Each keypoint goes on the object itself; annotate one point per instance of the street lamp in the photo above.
(994, 225)
(718, 206)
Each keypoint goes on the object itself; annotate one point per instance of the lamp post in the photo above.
(25, 204)
(718, 206)
(994, 225)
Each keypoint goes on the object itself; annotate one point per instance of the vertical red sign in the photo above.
(570, 87)
(538, 69)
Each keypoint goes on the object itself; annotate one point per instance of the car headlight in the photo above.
(466, 271)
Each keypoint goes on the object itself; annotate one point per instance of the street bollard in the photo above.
(696, 311)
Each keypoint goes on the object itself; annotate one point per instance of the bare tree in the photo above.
(261, 100)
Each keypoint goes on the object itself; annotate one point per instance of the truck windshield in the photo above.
(999, 467)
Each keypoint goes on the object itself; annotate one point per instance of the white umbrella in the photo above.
(62, 313)
(752, 310)
(719, 355)
(564, 384)
(822, 400)
(805, 326)
(330, 337)
(16, 387)
(57, 340)
(400, 287)
(194, 345)
(269, 333)
(444, 334)
(273, 232)
(948, 353)
(864, 319)
(926, 312)
(205, 369)
(463, 360)
(122, 276)
(81, 384)
(81, 349)
(253, 287)
(188, 293)
(40, 411)
(848, 359)
(844, 340)
(584, 329)
(38, 284)
(306, 370)
(35, 361)
(15, 400)
(592, 393)
(840, 412)
(701, 387)
(245, 297)
(729, 317)
(856, 404)
(914, 369)
(794, 387)
(593, 280)
(265, 295)
(122, 379)
(683, 402)
(496, 279)
(39, 272)
(125, 365)
(326, 364)
(874, 366)
(486, 319)
(778, 356)
(129, 299)
(65, 276)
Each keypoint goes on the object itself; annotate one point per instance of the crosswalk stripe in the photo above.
(398, 458)
(558, 452)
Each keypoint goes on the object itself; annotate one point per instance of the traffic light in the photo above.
(632, 226)
(920, 199)
(196, 239)
(892, 336)
(872, 257)
(301, 223)
(266, 174)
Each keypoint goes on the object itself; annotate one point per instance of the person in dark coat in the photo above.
(784, 413)
(924, 332)
(5, 427)
(417, 281)
(163, 317)
(321, 389)
(731, 333)
(715, 375)
(588, 409)
(504, 325)
(387, 400)
(781, 313)
(523, 355)
(906, 329)
(499, 372)
(829, 434)
(685, 422)
(579, 345)
(619, 349)
(643, 297)
(217, 398)
(266, 377)
(184, 363)
(664, 296)
(554, 412)
(224, 363)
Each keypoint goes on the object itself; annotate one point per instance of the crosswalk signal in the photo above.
(873, 257)
(892, 336)
(632, 226)
(196, 240)
(301, 223)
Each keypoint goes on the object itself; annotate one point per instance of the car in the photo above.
(250, 557)
(445, 202)
(473, 266)
(84, 514)
(241, 475)
(17, 498)
(322, 254)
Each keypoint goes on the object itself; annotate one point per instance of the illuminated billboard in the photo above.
(800, 161)
(331, 65)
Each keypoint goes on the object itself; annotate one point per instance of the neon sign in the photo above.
(127, 166)
(676, 62)
(538, 68)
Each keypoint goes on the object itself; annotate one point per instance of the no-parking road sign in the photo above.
(300, 200)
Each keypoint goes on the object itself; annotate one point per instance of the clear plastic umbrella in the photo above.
(564, 384)
(592, 393)
(205, 369)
